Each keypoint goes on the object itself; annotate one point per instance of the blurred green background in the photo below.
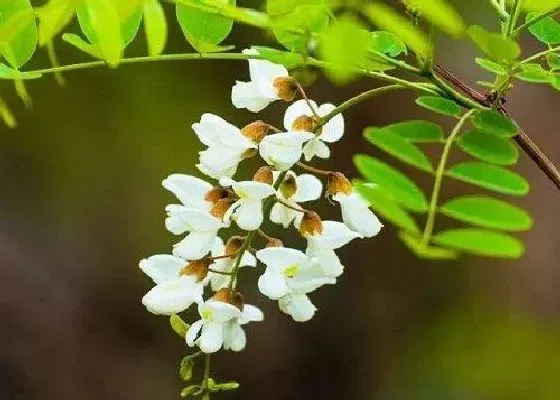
(82, 202)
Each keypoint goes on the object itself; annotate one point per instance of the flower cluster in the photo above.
(201, 262)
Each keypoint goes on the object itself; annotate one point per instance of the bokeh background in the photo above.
(82, 202)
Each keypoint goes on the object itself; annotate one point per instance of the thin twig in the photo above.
(313, 170)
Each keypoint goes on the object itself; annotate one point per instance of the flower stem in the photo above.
(264, 235)
(288, 205)
(307, 101)
(313, 170)
(513, 16)
(428, 230)
(535, 57)
(206, 370)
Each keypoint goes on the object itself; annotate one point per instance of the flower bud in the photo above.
(256, 131)
(220, 207)
(286, 88)
(228, 296)
(234, 244)
(215, 194)
(338, 183)
(198, 269)
(311, 224)
(289, 186)
(274, 242)
(304, 123)
(264, 175)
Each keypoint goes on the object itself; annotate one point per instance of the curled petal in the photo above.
(195, 245)
(308, 188)
(357, 215)
(211, 337)
(234, 337)
(335, 235)
(248, 95)
(299, 307)
(315, 148)
(162, 267)
(277, 259)
(189, 190)
(264, 73)
(251, 314)
(173, 297)
(273, 285)
(193, 332)
(333, 130)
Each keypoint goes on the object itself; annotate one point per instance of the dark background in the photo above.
(82, 202)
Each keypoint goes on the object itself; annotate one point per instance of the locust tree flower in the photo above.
(175, 290)
(293, 190)
(235, 338)
(321, 246)
(300, 117)
(191, 191)
(227, 146)
(219, 281)
(290, 274)
(283, 150)
(269, 82)
(247, 211)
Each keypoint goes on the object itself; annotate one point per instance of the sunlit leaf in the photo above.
(81, 44)
(553, 61)
(488, 147)
(54, 17)
(534, 73)
(491, 66)
(495, 45)
(287, 58)
(422, 250)
(490, 177)
(487, 212)
(539, 5)
(403, 189)
(186, 368)
(439, 105)
(392, 143)
(155, 26)
(547, 30)
(178, 325)
(417, 131)
(493, 122)
(18, 32)
(387, 43)
(481, 242)
(6, 114)
(189, 390)
(442, 14)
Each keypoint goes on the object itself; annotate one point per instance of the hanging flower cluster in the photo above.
(202, 263)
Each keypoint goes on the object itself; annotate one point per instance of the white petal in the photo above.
(172, 297)
(193, 331)
(189, 190)
(297, 109)
(335, 235)
(197, 220)
(251, 314)
(248, 260)
(308, 188)
(234, 337)
(221, 311)
(283, 149)
(280, 214)
(215, 131)
(249, 215)
(273, 285)
(219, 162)
(253, 190)
(218, 248)
(248, 95)
(264, 72)
(174, 223)
(357, 215)
(327, 260)
(162, 267)
(316, 148)
(211, 337)
(298, 306)
(279, 258)
(333, 130)
(195, 245)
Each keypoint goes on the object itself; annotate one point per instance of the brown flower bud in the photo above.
(264, 175)
(215, 194)
(337, 183)
(311, 224)
(289, 186)
(303, 123)
(220, 207)
(256, 131)
(234, 244)
(274, 242)
(228, 296)
(286, 88)
(198, 269)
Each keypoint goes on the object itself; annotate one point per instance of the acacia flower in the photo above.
(293, 190)
(283, 150)
(227, 146)
(247, 211)
(219, 281)
(357, 215)
(234, 335)
(300, 117)
(269, 82)
(174, 291)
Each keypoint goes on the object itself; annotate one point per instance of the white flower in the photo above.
(247, 212)
(214, 317)
(203, 228)
(290, 274)
(234, 335)
(357, 215)
(307, 188)
(189, 190)
(226, 146)
(220, 281)
(282, 150)
(173, 293)
(295, 119)
(335, 235)
(260, 91)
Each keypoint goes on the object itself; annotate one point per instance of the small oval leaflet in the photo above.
(439, 105)
(481, 242)
(493, 122)
(488, 147)
(491, 177)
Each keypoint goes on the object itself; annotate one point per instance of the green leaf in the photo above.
(186, 367)
(547, 30)
(488, 147)
(387, 43)
(81, 44)
(389, 20)
(204, 31)
(487, 212)
(441, 14)
(491, 66)
(385, 206)
(439, 105)
(555, 82)
(495, 45)
(293, 20)
(18, 32)
(287, 58)
(490, 177)
(534, 73)
(226, 386)
(481, 242)
(493, 122)
(155, 26)
(53, 18)
(417, 131)
(178, 325)
(392, 143)
(404, 190)
(189, 390)
(540, 5)
(344, 46)
(553, 61)
(421, 250)
(6, 114)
